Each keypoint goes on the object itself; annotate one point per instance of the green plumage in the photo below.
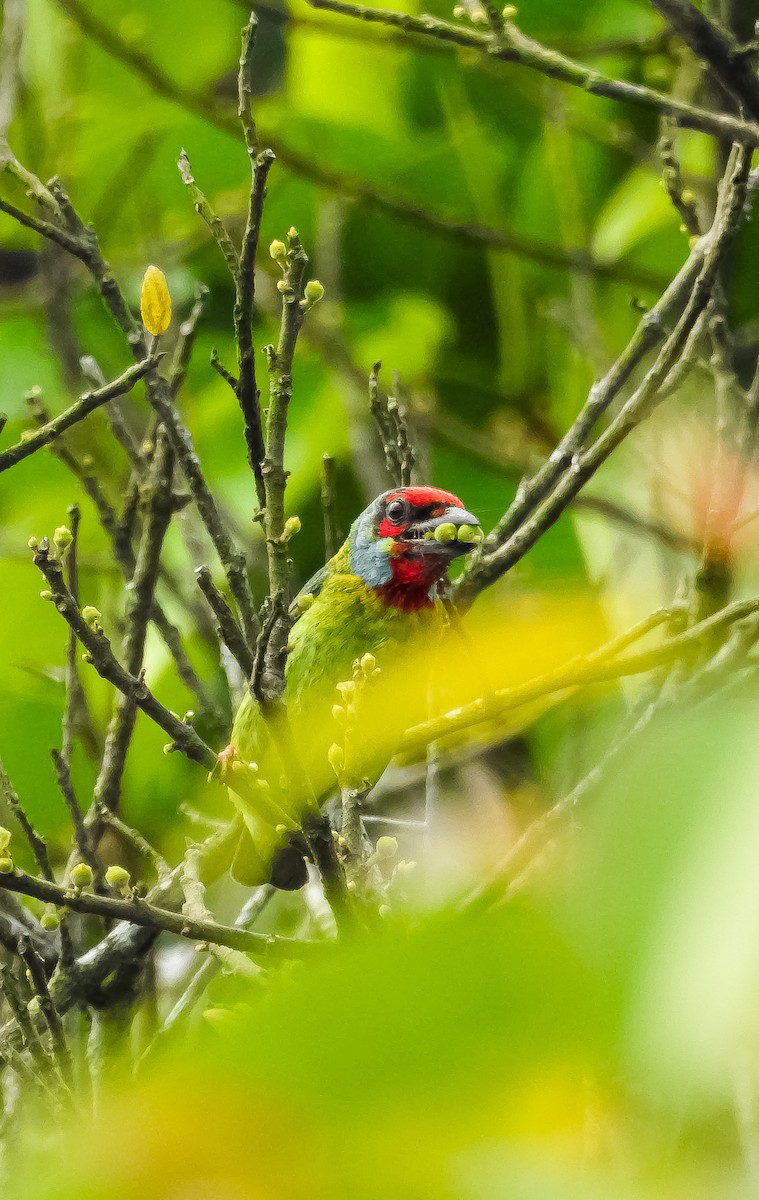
(344, 620)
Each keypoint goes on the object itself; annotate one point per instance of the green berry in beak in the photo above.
(445, 532)
(470, 533)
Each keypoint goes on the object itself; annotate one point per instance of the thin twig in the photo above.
(135, 839)
(100, 655)
(195, 908)
(158, 506)
(37, 843)
(516, 47)
(199, 982)
(204, 210)
(186, 343)
(229, 631)
(570, 467)
(599, 666)
(332, 538)
(260, 165)
(731, 65)
(86, 404)
(82, 834)
(47, 1007)
(143, 913)
(120, 534)
(314, 167)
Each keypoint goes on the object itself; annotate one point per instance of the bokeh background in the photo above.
(492, 237)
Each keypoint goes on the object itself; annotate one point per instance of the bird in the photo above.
(380, 595)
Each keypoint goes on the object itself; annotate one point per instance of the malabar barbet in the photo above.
(382, 595)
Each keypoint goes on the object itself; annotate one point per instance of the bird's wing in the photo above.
(308, 592)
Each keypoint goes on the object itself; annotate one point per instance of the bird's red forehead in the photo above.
(419, 497)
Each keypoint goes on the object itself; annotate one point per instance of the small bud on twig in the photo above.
(312, 294)
(92, 617)
(155, 302)
(387, 847)
(119, 878)
(62, 538)
(81, 876)
(50, 920)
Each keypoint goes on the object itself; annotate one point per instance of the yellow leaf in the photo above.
(155, 301)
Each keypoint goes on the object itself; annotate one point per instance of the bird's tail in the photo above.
(267, 855)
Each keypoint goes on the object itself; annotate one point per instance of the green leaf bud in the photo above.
(50, 920)
(312, 293)
(81, 875)
(5, 838)
(470, 533)
(33, 543)
(292, 526)
(277, 250)
(91, 616)
(46, 594)
(6, 866)
(387, 847)
(63, 537)
(445, 532)
(118, 877)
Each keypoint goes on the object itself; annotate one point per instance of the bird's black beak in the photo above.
(456, 531)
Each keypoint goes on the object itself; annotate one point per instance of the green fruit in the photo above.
(81, 875)
(470, 533)
(445, 532)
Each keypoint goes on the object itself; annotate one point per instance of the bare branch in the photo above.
(100, 655)
(86, 404)
(516, 47)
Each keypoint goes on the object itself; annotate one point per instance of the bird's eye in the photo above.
(396, 511)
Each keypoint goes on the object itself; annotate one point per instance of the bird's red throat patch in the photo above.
(412, 580)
